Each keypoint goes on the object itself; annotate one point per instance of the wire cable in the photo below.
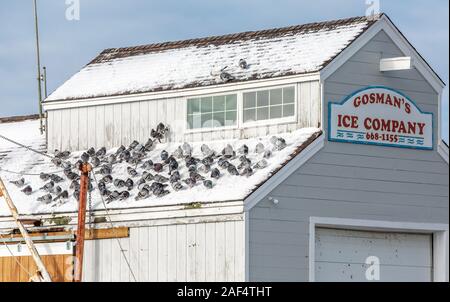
(26, 147)
(28, 174)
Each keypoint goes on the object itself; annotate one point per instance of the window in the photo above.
(212, 112)
(269, 104)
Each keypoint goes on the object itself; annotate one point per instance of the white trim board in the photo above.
(44, 249)
(181, 93)
(443, 151)
(440, 238)
(284, 173)
(385, 24)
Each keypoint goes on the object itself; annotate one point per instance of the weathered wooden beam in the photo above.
(43, 273)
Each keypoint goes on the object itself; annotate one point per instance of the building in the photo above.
(363, 179)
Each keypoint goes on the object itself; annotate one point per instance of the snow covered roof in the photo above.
(199, 62)
(17, 159)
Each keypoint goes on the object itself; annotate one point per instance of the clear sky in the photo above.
(67, 46)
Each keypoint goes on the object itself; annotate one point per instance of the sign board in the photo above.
(380, 116)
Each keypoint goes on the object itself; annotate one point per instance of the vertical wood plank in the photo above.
(125, 273)
(65, 129)
(126, 124)
(239, 251)
(74, 129)
(144, 133)
(191, 243)
(229, 251)
(181, 253)
(210, 263)
(118, 121)
(100, 127)
(200, 253)
(143, 255)
(153, 253)
(92, 125)
(109, 127)
(162, 254)
(220, 252)
(135, 127)
(315, 105)
(83, 129)
(172, 253)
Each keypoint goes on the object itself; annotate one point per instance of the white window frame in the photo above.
(270, 122)
(209, 129)
(240, 110)
(440, 233)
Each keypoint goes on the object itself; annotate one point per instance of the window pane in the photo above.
(275, 112)
(231, 118)
(250, 100)
(263, 98)
(249, 115)
(289, 95)
(194, 121)
(288, 110)
(276, 96)
(219, 119)
(193, 106)
(190, 122)
(262, 113)
(219, 103)
(207, 120)
(231, 102)
(206, 105)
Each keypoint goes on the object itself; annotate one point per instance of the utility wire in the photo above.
(112, 226)
(15, 258)
(28, 174)
(26, 147)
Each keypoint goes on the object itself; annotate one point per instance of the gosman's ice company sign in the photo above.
(380, 116)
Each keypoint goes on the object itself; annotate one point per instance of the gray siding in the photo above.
(113, 125)
(348, 180)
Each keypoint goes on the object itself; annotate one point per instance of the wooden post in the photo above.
(81, 227)
(43, 273)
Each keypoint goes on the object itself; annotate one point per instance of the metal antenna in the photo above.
(39, 78)
(45, 81)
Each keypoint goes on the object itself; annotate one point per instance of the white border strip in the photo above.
(44, 249)
(440, 238)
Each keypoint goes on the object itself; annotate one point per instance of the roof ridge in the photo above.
(111, 53)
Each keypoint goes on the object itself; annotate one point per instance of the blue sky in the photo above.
(67, 46)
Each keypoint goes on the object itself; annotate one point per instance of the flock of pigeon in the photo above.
(155, 177)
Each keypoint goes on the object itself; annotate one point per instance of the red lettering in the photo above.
(357, 102)
(380, 98)
(421, 128)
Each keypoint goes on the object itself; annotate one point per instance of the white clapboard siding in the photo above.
(198, 252)
(112, 125)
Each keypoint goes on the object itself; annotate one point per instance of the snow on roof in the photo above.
(227, 188)
(192, 63)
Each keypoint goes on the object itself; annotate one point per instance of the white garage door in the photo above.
(341, 256)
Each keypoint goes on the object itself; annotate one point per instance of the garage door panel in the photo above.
(340, 255)
(356, 246)
(345, 272)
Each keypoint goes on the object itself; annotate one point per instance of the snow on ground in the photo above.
(200, 65)
(227, 188)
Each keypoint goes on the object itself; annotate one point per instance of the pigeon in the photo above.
(133, 145)
(208, 184)
(112, 158)
(187, 149)
(164, 155)
(73, 176)
(57, 162)
(104, 170)
(226, 77)
(120, 150)
(49, 186)
(129, 183)
(161, 179)
(232, 170)
(173, 166)
(148, 145)
(191, 161)
(161, 128)
(215, 173)
(27, 190)
(125, 155)
(261, 164)
(228, 152)
(259, 149)
(132, 172)
(85, 157)
(175, 177)
(76, 194)
(160, 192)
(192, 169)
(56, 179)
(44, 176)
(223, 163)
(91, 151)
(208, 161)
(143, 194)
(105, 192)
(148, 176)
(140, 148)
(140, 183)
(243, 150)
(67, 165)
(147, 165)
(46, 198)
(113, 197)
(206, 151)
(142, 186)
(101, 185)
(62, 155)
(157, 167)
(191, 182)
(177, 186)
(204, 168)
(74, 185)
(243, 64)
(273, 140)
(57, 190)
(107, 179)
(267, 154)
(280, 144)
(248, 171)
(124, 195)
(119, 183)
(178, 153)
(101, 152)
(62, 195)
(95, 161)
(19, 183)
(156, 135)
